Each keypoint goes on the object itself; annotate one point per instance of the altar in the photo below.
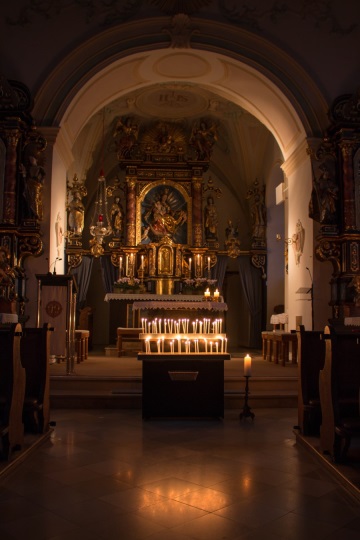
(136, 306)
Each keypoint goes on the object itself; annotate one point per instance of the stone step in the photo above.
(126, 392)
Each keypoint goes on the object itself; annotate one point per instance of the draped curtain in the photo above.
(219, 270)
(251, 282)
(108, 273)
(82, 276)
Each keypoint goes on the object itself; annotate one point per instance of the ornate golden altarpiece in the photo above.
(162, 240)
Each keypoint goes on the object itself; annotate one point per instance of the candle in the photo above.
(207, 293)
(120, 267)
(142, 262)
(216, 294)
(247, 366)
(190, 267)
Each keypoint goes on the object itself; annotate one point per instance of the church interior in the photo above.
(180, 186)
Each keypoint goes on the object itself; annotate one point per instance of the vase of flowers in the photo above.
(197, 285)
(127, 285)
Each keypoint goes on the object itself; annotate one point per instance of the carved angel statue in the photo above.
(126, 134)
(203, 137)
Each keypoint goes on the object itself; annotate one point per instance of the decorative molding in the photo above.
(322, 15)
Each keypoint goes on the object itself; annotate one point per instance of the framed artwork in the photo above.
(163, 210)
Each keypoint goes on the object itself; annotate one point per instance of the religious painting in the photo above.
(164, 212)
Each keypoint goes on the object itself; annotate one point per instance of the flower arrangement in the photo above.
(197, 285)
(127, 284)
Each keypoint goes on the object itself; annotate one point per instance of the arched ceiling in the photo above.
(253, 116)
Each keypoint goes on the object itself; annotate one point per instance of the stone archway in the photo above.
(263, 81)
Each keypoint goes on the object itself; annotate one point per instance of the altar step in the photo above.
(74, 392)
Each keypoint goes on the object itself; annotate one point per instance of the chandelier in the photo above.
(100, 226)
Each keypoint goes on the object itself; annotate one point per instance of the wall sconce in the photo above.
(287, 241)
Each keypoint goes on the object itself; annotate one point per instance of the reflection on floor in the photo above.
(107, 474)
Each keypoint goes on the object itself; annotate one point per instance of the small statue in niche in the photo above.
(232, 242)
(75, 208)
(117, 217)
(324, 196)
(34, 177)
(258, 211)
(210, 220)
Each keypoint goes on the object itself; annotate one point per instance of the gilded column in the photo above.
(130, 211)
(9, 205)
(349, 216)
(197, 235)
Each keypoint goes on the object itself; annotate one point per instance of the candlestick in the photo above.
(120, 267)
(247, 366)
(246, 412)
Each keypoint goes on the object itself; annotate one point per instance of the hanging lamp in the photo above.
(100, 226)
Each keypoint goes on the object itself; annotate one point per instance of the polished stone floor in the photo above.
(107, 474)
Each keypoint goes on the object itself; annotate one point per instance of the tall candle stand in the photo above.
(246, 412)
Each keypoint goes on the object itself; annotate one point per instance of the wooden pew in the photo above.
(12, 391)
(35, 352)
(311, 358)
(339, 385)
(128, 335)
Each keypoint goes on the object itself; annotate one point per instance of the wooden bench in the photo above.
(35, 353)
(339, 385)
(127, 335)
(81, 345)
(311, 358)
(12, 391)
(276, 346)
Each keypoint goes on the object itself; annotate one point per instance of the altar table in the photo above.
(183, 385)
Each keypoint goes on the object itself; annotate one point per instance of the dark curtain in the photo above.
(250, 278)
(82, 276)
(108, 273)
(219, 270)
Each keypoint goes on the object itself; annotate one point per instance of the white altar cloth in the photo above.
(167, 301)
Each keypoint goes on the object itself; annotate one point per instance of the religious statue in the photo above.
(298, 240)
(117, 217)
(210, 220)
(126, 134)
(258, 212)
(161, 218)
(59, 233)
(324, 196)
(232, 242)
(34, 176)
(7, 278)
(203, 137)
(75, 207)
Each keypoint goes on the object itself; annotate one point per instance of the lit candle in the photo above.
(247, 366)
(142, 262)
(120, 267)
(190, 267)
(216, 295)
(207, 293)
